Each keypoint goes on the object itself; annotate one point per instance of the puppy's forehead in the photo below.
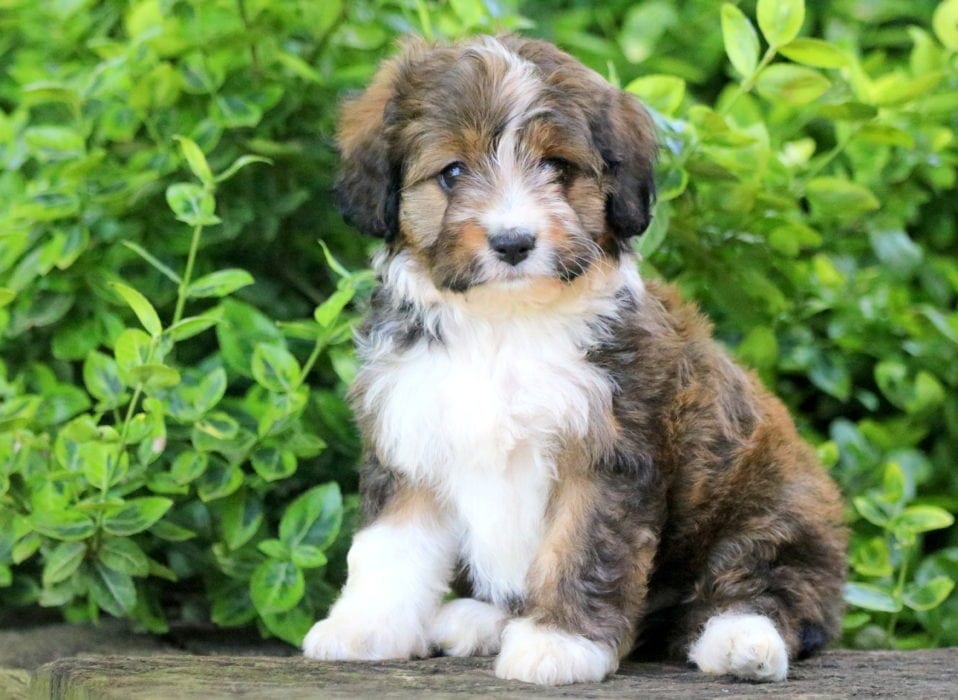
(456, 103)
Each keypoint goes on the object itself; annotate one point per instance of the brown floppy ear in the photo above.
(624, 135)
(370, 174)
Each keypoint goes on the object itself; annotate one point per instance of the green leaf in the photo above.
(103, 463)
(945, 23)
(238, 165)
(838, 197)
(155, 375)
(896, 250)
(152, 260)
(928, 595)
(241, 517)
(189, 466)
(133, 348)
(220, 480)
(307, 556)
(233, 111)
(136, 515)
(893, 484)
(872, 558)
(470, 12)
(219, 284)
(123, 555)
(6, 296)
(102, 378)
(793, 85)
(240, 330)
(195, 395)
(171, 532)
(329, 310)
(62, 561)
(275, 368)
(194, 325)
(871, 510)
(69, 526)
(663, 93)
(276, 586)
(333, 263)
(54, 143)
(815, 52)
(314, 518)
(274, 548)
(112, 591)
(921, 518)
(655, 234)
(192, 204)
(273, 464)
(195, 159)
(869, 597)
(141, 307)
(218, 425)
(232, 605)
(780, 20)
(292, 625)
(740, 39)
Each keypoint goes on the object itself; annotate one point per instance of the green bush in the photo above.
(176, 340)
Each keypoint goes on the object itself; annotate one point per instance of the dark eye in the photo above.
(560, 169)
(448, 176)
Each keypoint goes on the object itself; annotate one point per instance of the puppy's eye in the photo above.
(559, 168)
(449, 175)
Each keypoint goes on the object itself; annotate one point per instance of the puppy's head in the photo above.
(496, 160)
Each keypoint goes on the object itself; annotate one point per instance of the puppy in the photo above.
(538, 421)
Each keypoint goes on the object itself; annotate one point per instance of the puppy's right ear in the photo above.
(370, 174)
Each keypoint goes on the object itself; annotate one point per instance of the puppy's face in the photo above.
(496, 161)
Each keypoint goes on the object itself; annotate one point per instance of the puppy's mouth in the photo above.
(545, 266)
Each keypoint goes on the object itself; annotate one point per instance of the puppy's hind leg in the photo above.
(755, 614)
(742, 644)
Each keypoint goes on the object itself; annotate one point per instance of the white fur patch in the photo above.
(468, 627)
(537, 654)
(481, 416)
(744, 645)
(398, 574)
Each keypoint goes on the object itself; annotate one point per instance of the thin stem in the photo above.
(254, 56)
(129, 414)
(832, 154)
(747, 84)
(311, 360)
(899, 589)
(187, 274)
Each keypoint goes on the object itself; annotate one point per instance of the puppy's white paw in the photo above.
(744, 645)
(538, 654)
(467, 627)
(345, 637)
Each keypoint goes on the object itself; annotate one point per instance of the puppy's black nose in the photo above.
(513, 246)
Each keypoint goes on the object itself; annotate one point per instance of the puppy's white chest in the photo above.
(481, 417)
(490, 397)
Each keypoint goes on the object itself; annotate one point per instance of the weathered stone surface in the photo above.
(837, 674)
(13, 684)
(27, 648)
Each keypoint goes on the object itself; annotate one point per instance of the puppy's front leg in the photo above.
(587, 586)
(399, 569)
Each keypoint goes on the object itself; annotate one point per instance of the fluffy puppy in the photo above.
(537, 421)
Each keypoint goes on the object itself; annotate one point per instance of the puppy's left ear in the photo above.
(369, 180)
(624, 135)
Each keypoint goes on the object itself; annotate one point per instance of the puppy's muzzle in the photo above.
(513, 245)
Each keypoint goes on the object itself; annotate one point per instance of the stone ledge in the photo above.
(836, 674)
